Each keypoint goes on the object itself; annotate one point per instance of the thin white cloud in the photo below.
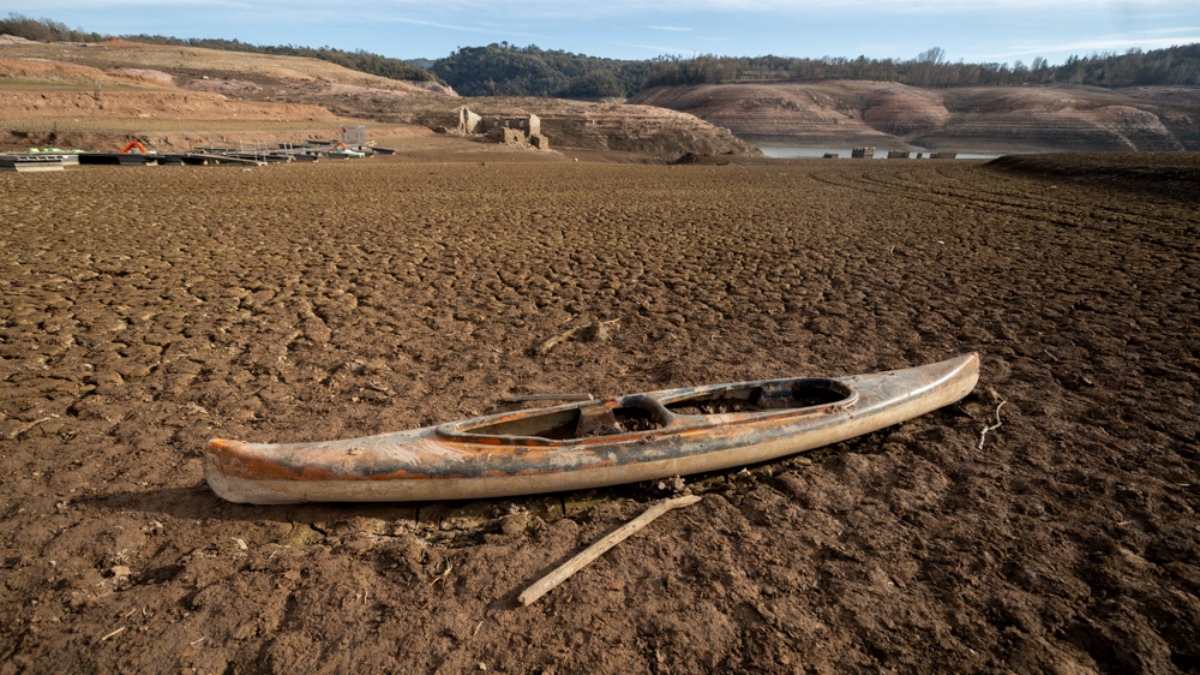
(671, 29)
(658, 49)
(384, 18)
(1174, 30)
(1100, 44)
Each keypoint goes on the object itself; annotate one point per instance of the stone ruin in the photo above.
(468, 122)
(506, 130)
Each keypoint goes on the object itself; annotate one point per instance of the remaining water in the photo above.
(792, 152)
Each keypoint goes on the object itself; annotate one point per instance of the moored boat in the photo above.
(634, 438)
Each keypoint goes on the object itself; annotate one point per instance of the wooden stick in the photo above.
(547, 583)
(521, 398)
(113, 634)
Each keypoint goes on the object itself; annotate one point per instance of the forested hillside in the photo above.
(504, 69)
(362, 61)
(1171, 66)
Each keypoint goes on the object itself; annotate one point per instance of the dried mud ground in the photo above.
(147, 310)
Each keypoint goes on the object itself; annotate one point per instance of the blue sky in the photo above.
(967, 30)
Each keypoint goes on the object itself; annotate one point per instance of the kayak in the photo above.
(634, 438)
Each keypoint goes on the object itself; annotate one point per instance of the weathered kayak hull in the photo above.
(587, 445)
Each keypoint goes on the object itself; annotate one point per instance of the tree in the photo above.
(933, 56)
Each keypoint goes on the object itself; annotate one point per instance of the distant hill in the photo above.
(364, 62)
(240, 73)
(45, 30)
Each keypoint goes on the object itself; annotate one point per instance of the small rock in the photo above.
(376, 366)
(361, 544)
(674, 485)
(516, 523)
(599, 331)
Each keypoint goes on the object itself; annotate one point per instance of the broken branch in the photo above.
(587, 555)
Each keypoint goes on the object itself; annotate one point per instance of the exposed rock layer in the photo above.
(977, 118)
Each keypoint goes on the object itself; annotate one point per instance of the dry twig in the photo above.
(993, 427)
(113, 634)
(445, 573)
(583, 558)
(30, 425)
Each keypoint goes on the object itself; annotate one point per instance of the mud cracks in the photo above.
(147, 310)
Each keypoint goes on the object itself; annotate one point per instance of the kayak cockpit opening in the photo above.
(642, 413)
(808, 392)
(609, 418)
(631, 415)
(554, 425)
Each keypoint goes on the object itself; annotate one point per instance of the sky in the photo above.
(974, 31)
